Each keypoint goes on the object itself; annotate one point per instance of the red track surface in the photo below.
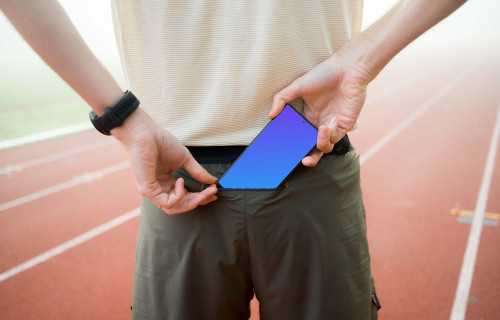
(410, 185)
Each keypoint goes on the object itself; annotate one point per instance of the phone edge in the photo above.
(219, 186)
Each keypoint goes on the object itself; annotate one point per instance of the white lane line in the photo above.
(388, 90)
(41, 104)
(468, 264)
(64, 185)
(7, 144)
(410, 119)
(56, 156)
(121, 219)
(69, 244)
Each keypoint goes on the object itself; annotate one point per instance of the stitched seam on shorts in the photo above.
(249, 249)
(246, 231)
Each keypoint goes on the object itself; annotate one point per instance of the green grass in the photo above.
(34, 99)
(17, 123)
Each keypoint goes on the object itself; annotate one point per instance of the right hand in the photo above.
(155, 153)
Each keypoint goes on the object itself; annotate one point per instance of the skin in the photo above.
(334, 91)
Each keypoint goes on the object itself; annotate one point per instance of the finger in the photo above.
(154, 192)
(197, 198)
(177, 194)
(312, 159)
(286, 95)
(192, 200)
(197, 171)
(324, 143)
(208, 200)
(166, 200)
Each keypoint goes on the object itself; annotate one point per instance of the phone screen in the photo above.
(273, 154)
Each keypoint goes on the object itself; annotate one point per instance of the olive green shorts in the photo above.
(302, 249)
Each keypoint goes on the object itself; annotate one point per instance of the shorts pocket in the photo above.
(255, 189)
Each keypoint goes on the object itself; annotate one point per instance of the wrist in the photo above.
(374, 48)
(354, 63)
(115, 116)
(363, 55)
(134, 127)
(105, 101)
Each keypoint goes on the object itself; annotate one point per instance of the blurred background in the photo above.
(435, 103)
(34, 99)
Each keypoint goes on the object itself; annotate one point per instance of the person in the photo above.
(209, 75)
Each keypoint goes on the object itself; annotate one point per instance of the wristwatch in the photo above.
(115, 116)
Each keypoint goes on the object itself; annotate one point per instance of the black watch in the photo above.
(115, 116)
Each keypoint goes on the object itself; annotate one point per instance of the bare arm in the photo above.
(405, 22)
(154, 153)
(335, 90)
(47, 29)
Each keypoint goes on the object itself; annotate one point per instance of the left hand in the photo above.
(334, 93)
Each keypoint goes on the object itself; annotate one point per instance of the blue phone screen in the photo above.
(275, 152)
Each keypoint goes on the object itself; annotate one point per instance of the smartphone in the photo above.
(273, 154)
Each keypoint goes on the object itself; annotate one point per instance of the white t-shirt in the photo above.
(207, 70)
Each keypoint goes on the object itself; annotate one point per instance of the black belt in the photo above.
(228, 154)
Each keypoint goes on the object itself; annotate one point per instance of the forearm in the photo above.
(373, 48)
(46, 27)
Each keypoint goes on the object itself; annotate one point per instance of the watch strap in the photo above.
(115, 116)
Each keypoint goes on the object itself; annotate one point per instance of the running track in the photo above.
(68, 221)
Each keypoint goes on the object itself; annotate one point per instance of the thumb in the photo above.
(290, 93)
(197, 171)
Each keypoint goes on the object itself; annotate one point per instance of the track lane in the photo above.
(70, 244)
(34, 179)
(26, 231)
(485, 289)
(47, 147)
(382, 239)
(63, 155)
(97, 153)
(470, 256)
(416, 246)
(65, 287)
(77, 180)
(381, 113)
